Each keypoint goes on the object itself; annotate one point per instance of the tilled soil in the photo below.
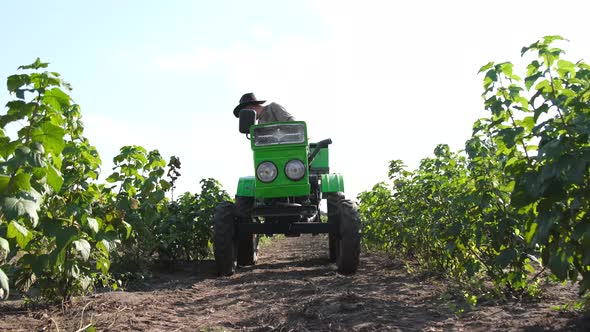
(295, 288)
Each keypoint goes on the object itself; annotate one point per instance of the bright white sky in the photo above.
(384, 79)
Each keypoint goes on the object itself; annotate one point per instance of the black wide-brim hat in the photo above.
(247, 99)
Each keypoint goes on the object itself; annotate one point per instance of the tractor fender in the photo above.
(246, 186)
(332, 183)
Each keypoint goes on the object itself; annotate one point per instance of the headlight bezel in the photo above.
(300, 163)
(275, 170)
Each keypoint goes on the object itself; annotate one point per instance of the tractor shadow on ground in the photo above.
(315, 263)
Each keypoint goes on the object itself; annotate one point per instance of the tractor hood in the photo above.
(280, 159)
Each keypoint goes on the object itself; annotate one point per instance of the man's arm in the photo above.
(281, 114)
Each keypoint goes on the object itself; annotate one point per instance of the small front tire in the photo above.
(349, 244)
(333, 238)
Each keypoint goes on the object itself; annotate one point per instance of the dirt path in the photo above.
(293, 288)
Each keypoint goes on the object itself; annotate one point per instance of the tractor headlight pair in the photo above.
(267, 171)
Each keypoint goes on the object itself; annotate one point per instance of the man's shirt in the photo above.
(274, 112)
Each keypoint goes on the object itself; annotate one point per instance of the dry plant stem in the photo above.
(54, 322)
(82, 317)
(117, 316)
(84, 328)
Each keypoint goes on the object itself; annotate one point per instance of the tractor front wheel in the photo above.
(349, 244)
(248, 249)
(224, 242)
(333, 238)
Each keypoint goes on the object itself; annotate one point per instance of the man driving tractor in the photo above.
(272, 112)
(291, 177)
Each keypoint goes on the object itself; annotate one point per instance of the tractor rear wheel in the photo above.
(244, 206)
(349, 244)
(333, 199)
(224, 242)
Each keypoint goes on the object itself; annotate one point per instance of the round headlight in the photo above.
(295, 170)
(266, 171)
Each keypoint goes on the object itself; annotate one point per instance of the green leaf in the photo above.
(4, 248)
(165, 185)
(530, 233)
(113, 177)
(509, 136)
(533, 68)
(93, 224)
(35, 65)
(491, 76)
(486, 67)
(54, 178)
(543, 85)
(507, 68)
(103, 264)
(564, 67)
(4, 180)
(14, 82)
(128, 228)
(104, 246)
(4, 283)
(57, 258)
(18, 110)
(528, 123)
(7, 148)
(62, 98)
(549, 39)
(21, 182)
(51, 136)
(83, 248)
(57, 161)
(17, 207)
(20, 233)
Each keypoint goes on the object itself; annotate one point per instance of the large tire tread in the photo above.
(350, 238)
(333, 239)
(224, 243)
(247, 243)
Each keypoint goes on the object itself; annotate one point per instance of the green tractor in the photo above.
(292, 177)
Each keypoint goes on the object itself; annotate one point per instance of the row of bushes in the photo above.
(61, 231)
(515, 201)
